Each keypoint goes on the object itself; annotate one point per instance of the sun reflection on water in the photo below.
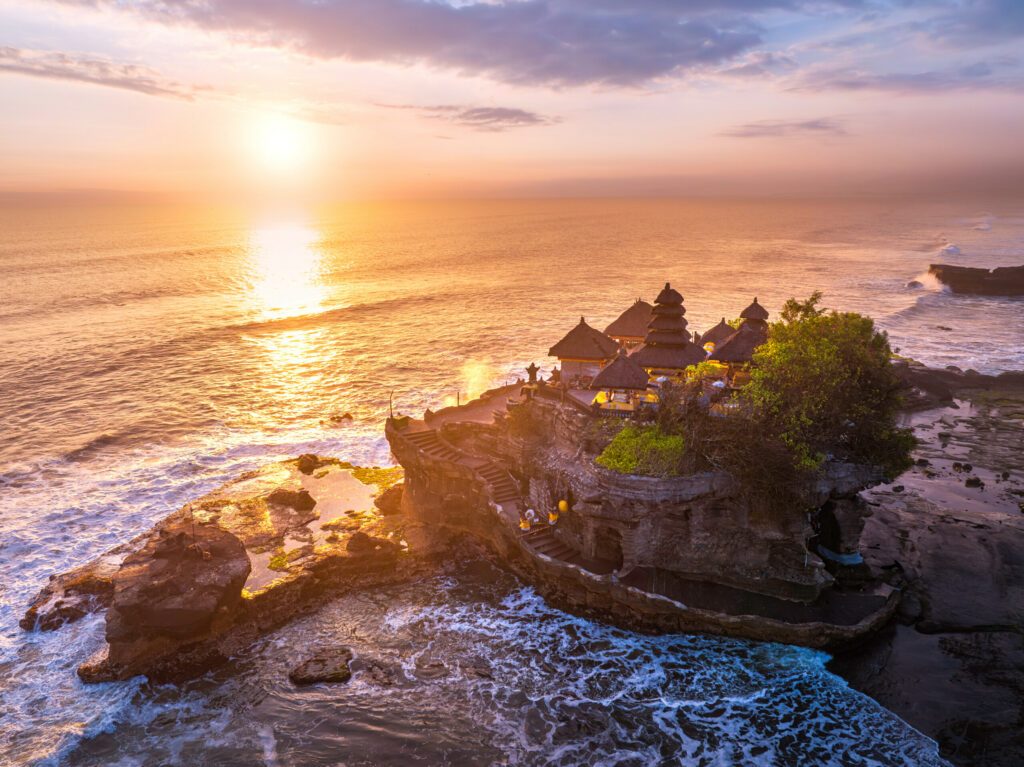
(286, 280)
(286, 270)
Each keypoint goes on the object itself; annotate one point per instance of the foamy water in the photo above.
(151, 355)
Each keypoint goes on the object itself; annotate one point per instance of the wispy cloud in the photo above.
(976, 77)
(821, 126)
(486, 119)
(55, 65)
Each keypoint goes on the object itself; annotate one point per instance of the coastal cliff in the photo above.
(688, 553)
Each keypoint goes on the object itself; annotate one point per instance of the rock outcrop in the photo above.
(327, 665)
(215, 575)
(1003, 281)
(183, 586)
(954, 666)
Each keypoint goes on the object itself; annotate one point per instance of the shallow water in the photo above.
(150, 355)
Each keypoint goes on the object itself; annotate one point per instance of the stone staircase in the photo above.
(544, 541)
(430, 443)
(503, 487)
(503, 491)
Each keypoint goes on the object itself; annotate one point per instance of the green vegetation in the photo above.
(383, 478)
(823, 384)
(279, 561)
(644, 449)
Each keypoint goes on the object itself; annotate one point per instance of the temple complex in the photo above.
(517, 470)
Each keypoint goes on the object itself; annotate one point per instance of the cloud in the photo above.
(546, 42)
(976, 77)
(760, 64)
(486, 119)
(979, 22)
(54, 65)
(821, 126)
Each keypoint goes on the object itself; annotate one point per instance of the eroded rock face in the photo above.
(390, 501)
(179, 588)
(327, 665)
(361, 543)
(955, 667)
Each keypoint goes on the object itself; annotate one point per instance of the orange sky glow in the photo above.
(351, 99)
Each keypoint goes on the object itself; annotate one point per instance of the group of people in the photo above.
(530, 517)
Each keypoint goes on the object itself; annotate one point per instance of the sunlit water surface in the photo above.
(150, 355)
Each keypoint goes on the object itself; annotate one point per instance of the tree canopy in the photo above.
(824, 383)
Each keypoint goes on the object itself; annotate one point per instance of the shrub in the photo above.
(644, 449)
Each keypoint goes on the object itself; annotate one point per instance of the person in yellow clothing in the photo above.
(563, 506)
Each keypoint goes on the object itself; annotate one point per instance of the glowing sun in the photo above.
(280, 143)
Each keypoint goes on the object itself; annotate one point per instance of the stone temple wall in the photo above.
(696, 526)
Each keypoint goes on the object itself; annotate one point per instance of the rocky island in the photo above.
(658, 480)
(1002, 281)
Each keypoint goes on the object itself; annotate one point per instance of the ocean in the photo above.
(152, 353)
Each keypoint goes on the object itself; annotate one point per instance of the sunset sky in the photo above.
(335, 99)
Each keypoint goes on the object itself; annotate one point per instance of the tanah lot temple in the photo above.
(622, 368)
(515, 472)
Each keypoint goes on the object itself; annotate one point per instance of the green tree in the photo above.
(824, 383)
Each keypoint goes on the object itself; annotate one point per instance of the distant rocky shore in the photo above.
(1002, 281)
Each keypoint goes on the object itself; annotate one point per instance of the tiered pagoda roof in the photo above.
(667, 344)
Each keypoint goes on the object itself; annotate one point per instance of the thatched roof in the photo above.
(667, 322)
(668, 357)
(669, 296)
(621, 373)
(632, 323)
(740, 346)
(718, 333)
(584, 343)
(755, 312)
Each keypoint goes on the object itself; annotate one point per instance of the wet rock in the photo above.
(327, 665)
(70, 597)
(361, 543)
(308, 463)
(300, 500)
(428, 667)
(923, 462)
(973, 482)
(390, 501)
(174, 591)
(381, 673)
(898, 488)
